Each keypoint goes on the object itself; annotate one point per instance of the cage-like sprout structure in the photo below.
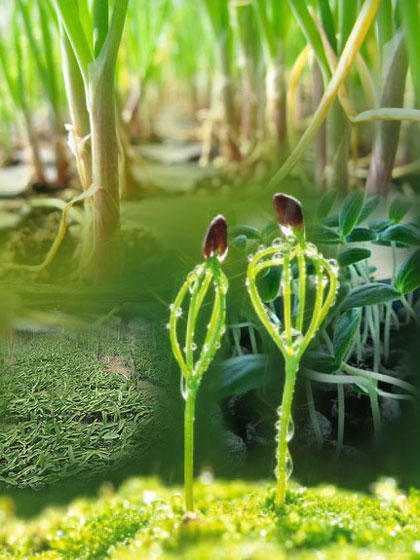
(194, 361)
(301, 319)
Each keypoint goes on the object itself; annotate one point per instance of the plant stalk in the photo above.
(189, 447)
(285, 413)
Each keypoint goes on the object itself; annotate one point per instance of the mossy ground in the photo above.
(237, 520)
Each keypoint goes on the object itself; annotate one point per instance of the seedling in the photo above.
(197, 285)
(298, 327)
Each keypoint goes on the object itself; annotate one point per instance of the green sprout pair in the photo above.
(292, 334)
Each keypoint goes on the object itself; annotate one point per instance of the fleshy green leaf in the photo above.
(326, 204)
(369, 206)
(323, 234)
(370, 294)
(408, 277)
(398, 209)
(239, 375)
(353, 255)
(361, 234)
(344, 331)
(319, 361)
(379, 224)
(350, 211)
(409, 234)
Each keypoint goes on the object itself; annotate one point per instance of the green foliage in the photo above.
(65, 412)
(350, 211)
(353, 255)
(237, 519)
(408, 278)
(344, 333)
(370, 294)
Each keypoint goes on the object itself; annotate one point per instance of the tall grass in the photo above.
(327, 76)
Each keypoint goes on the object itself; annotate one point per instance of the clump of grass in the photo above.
(83, 420)
(292, 339)
(197, 284)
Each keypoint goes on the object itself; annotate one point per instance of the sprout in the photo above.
(197, 285)
(295, 333)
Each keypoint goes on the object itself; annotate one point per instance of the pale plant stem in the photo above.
(410, 311)
(312, 414)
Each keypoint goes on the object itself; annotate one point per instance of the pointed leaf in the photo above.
(408, 278)
(369, 206)
(353, 255)
(398, 208)
(350, 211)
(370, 294)
(344, 331)
(326, 204)
(361, 234)
(409, 234)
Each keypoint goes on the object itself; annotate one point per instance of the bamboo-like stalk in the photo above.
(388, 133)
(353, 44)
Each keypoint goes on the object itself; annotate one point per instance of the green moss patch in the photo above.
(236, 520)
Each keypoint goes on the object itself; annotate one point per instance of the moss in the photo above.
(236, 520)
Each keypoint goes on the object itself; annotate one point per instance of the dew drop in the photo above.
(184, 389)
(168, 326)
(192, 286)
(193, 346)
(250, 257)
(289, 464)
(277, 241)
(290, 429)
(178, 312)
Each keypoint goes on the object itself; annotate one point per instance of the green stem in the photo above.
(313, 415)
(189, 447)
(376, 414)
(285, 417)
(410, 311)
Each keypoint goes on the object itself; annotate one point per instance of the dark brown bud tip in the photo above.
(288, 210)
(215, 240)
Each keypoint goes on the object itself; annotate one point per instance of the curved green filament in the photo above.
(197, 296)
(287, 307)
(302, 291)
(317, 312)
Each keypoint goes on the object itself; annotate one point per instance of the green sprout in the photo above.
(298, 328)
(197, 285)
